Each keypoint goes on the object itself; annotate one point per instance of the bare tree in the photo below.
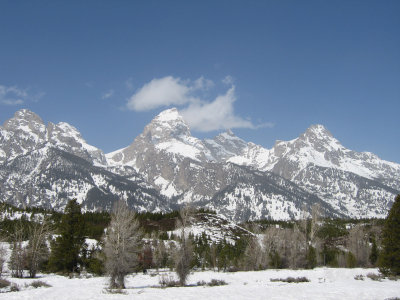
(160, 254)
(309, 226)
(37, 251)
(315, 218)
(18, 255)
(358, 244)
(3, 253)
(122, 243)
(184, 255)
(273, 245)
(254, 256)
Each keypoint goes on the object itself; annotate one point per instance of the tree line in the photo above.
(129, 242)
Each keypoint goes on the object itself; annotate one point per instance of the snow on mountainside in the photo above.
(167, 133)
(318, 147)
(48, 165)
(356, 184)
(174, 162)
(26, 131)
(166, 166)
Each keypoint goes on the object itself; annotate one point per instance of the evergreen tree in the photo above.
(390, 257)
(311, 258)
(373, 257)
(66, 248)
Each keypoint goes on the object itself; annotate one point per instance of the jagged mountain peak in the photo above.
(171, 114)
(26, 132)
(319, 138)
(169, 123)
(318, 129)
(317, 132)
(228, 134)
(26, 114)
(25, 120)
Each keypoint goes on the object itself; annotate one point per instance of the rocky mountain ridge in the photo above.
(166, 166)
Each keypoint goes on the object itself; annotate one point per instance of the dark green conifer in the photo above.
(390, 256)
(66, 248)
(373, 257)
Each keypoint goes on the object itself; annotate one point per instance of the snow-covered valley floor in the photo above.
(325, 283)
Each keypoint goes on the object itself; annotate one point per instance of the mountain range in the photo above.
(166, 167)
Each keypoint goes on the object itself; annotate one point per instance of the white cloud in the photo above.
(228, 80)
(108, 94)
(12, 101)
(215, 115)
(202, 84)
(200, 114)
(160, 92)
(12, 95)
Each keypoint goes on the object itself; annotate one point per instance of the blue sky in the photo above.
(268, 69)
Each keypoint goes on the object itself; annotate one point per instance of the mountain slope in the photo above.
(165, 167)
(357, 184)
(48, 165)
(180, 166)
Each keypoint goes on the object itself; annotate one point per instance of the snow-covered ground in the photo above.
(325, 283)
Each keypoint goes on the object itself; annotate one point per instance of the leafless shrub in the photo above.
(39, 283)
(375, 277)
(213, 282)
(4, 283)
(217, 282)
(168, 281)
(291, 279)
(14, 288)
(114, 291)
(359, 277)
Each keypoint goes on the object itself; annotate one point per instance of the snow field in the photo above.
(325, 283)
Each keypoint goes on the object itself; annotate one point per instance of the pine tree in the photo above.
(66, 248)
(390, 257)
(373, 257)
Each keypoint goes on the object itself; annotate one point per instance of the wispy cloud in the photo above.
(13, 95)
(108, 94)
(201, 114)
(12, 101)
(129, 83)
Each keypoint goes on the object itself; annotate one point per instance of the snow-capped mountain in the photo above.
(180, 166)
(357, 184)
(166, 166)
(48, 165)
(26, 131)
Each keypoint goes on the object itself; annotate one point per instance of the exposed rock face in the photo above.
(180, 166)
(26, 131)
(48, 165)
(356, 184)
(166, 166)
